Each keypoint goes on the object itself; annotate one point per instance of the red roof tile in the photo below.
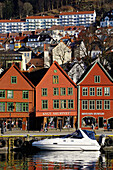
(73, 13)
(40, 17)
(13, 20)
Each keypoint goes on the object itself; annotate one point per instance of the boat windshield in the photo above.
(90, 134)
(76, 134)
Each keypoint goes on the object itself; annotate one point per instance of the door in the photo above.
(100, 122)
(110, 121)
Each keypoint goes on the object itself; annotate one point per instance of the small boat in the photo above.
(80, 140)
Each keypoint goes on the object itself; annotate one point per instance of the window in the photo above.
(84, 91)
(13, 79)
(44, 92)
(106, 91)
(92, 104)
(63, 104)
(55, 79)
(106, 104)
(92, 91)
(2, 107)
(25, 94)
(18, 107)
(70, 91)
(70, 104)
(44, 104)
(10, 107)
(55, 104)
(63, 91)
(25, 107)
(22, 107)
(10, 94)
(2, 93)
(99, 91)
(99, 104)
(55, 91)
(84, 104)
(97, 79)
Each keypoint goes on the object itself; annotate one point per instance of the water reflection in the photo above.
(56, 160)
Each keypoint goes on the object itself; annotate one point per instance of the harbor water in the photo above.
(47, 160)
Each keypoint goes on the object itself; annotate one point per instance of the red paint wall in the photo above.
(22, 84)
(88, 81)
(47, 82)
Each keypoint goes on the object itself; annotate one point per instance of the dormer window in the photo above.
(97, 79)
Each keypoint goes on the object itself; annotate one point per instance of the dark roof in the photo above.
(36, 76)
(109, 14)
(84, 74)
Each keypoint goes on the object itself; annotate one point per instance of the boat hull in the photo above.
(60, 147)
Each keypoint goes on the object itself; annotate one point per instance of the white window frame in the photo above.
(91, 104)
(86, 91)
(106, 91)
(99, 104)
(106, 104)
(92, 91)
(84, 104)
(99, 91)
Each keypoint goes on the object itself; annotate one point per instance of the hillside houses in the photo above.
(67, 68)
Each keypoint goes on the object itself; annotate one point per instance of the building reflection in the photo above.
(44, 160)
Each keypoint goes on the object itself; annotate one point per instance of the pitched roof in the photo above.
(62, 71)
(84, 75)
(20, 74)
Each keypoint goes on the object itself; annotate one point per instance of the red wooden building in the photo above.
(56, 98)
(95, 100)
(16, 98)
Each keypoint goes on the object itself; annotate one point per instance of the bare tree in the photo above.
(62, 53)
(28, 8)
(20, 5)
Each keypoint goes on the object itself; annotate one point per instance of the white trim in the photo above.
(97, 62)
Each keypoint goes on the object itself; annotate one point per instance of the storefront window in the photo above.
(87, 121)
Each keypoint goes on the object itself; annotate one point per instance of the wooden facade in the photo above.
(56, 97)
(95, 99)
(16, 97)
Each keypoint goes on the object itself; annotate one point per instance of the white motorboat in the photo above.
(80, 140)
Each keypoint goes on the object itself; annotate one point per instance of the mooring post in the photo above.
(10, 144)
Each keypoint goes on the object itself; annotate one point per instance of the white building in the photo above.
(12, 26)
(83, 18)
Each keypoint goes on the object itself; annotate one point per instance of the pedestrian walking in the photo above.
(108, 126)
(60, 125)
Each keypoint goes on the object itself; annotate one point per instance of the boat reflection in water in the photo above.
(73, 158)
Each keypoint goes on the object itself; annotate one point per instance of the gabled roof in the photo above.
(19, 73)
(62, 71)
(88, 70)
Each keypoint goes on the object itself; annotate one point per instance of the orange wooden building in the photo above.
(95, 100)
(16, 99)
(56, 98)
